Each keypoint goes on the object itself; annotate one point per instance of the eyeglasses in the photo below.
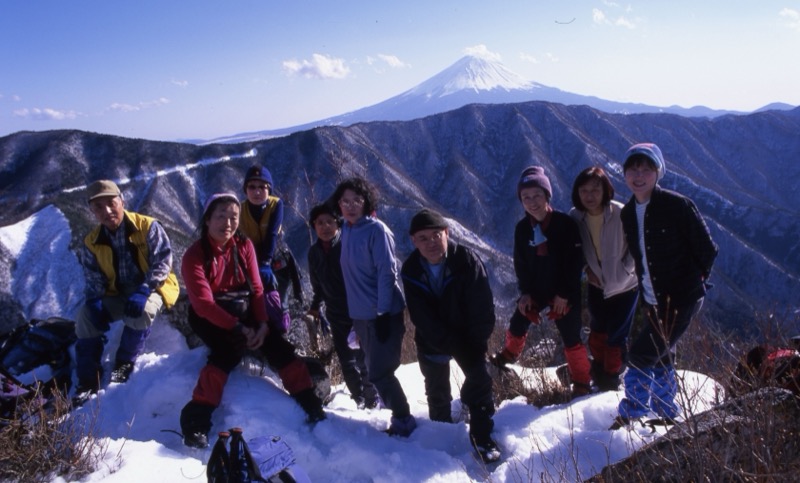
(257, 187)
(436, 237)
(351, 203)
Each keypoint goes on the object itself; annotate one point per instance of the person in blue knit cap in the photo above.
(262, 222)
(674, 253)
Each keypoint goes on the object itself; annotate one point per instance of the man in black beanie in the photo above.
(452, 308)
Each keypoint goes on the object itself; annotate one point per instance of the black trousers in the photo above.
(476, 391)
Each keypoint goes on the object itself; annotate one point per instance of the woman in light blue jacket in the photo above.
(374, 298)
(613, 288)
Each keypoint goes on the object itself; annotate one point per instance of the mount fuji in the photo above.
(473, 79)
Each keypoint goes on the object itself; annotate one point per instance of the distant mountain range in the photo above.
(475, 80)
(741, 170)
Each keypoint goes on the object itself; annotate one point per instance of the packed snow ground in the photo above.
(567, 442)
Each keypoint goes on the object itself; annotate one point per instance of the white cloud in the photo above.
(551, 57)
(319, 67)
(528, 58)
(793, 16)
(123, 107)
(483, 52)
(599, 17)
(624, 22)
(45, 114)
(180, 83)
(393, 61)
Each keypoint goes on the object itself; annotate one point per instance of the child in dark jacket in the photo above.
(548, 261)
(327, 283)
(674, 253)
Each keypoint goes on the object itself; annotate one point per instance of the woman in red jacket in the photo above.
(228, 313)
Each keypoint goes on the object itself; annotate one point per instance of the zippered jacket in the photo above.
(462, 318)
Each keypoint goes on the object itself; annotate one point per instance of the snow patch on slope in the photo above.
(47, 279)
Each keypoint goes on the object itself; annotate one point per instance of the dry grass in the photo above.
(42, 443)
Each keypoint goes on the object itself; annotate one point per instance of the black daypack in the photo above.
(14, 396)
(40, 342)
(264, 459)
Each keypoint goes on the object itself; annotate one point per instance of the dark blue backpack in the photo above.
(38, 343)
(262, 459)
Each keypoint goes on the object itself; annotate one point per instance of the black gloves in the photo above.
(383, 327)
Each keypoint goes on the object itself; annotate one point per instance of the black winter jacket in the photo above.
(557, 273)
(459, 322)
(680, 251)
(327, 281)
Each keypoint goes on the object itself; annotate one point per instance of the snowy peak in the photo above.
(471, 73)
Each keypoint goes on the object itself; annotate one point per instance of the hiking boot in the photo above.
(316, 416)
(607, 382)
(197, 440)
(486, 448)
(661, 421)
(372, 401)
(580, 389)
(501, 360)
(622, 421)
(402, 427)
(311, 404)
(122, 372)
(83, 394)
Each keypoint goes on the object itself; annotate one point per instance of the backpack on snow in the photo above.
(40, 342)
(13, 396)
(263, 459)
(766, 366)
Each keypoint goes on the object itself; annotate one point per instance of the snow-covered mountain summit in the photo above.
(473, 79)
(471, 73)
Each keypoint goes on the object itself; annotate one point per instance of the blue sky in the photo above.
(202, 69)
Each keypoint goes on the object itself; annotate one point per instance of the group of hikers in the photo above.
(656, 245)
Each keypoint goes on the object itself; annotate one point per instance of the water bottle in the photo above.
(239, 463)
(218, 469)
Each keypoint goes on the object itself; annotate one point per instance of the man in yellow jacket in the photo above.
(127, 264)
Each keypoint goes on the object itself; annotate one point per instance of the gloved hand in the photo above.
(383, 327)
(97, 314)
(136, 302)
(468, 354)
(267, 277)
